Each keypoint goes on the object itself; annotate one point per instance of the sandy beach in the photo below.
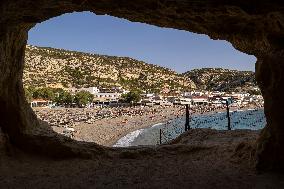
(108, 130)
(106, 126)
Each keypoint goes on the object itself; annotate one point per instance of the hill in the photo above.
(49, 67)
(57, 68)
(222, 79)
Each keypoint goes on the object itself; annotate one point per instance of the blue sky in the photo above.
(175, 49)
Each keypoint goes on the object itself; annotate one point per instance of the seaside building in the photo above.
(103, 97)
(180, 100)
(147, 95)
(92, 90)
(200, 100)
(197, 93)
(216, 103)
(40, 103)
(106, 95)
(217, 93)
(184, 101)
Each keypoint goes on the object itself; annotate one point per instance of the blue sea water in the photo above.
(250, 119)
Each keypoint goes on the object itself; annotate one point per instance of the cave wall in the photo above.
(253, 27)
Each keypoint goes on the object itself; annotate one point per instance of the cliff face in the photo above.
(253, 27)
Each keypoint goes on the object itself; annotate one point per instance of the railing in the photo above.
(249, 119)
(167, 134)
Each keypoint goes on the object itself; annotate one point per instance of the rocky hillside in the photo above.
(48, 67)
(222, 79)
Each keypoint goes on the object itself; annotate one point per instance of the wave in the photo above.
(128, 139)
(249, 119)
(157, 124)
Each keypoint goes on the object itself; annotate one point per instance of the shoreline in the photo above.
(122, 129)
(193, 114)
(109, 130)
(149, 125)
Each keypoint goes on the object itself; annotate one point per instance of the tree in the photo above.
(64, 98)
(45, 93)
(82, 98)
(132, 96)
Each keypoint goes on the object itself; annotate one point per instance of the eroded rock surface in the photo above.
(201, 158)
(253, 27)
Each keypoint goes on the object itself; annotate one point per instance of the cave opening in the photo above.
(57, 73)
(255, 30)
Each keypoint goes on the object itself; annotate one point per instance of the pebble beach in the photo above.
(105, 126)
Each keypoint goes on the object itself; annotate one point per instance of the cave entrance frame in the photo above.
(255, 28)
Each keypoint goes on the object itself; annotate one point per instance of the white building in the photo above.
(92, 90)
(180, 101)
(40, 103)
(107, 95)
(197, 93)
(217, 93)
(216, 103)
(186, 94)
(200, 100)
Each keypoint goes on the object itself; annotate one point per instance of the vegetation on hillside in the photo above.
(222, 79)
(57, 68)
(48, 67)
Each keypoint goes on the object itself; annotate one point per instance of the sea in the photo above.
(252, 119)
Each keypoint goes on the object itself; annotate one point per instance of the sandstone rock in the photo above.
(253, 27)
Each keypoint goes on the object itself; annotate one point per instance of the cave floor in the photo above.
(198, 159)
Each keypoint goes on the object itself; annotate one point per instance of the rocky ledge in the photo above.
(200, 158)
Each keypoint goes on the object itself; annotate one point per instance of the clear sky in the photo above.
(175, 49)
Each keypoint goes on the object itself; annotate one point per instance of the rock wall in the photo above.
(270, 72)
(253, 27)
